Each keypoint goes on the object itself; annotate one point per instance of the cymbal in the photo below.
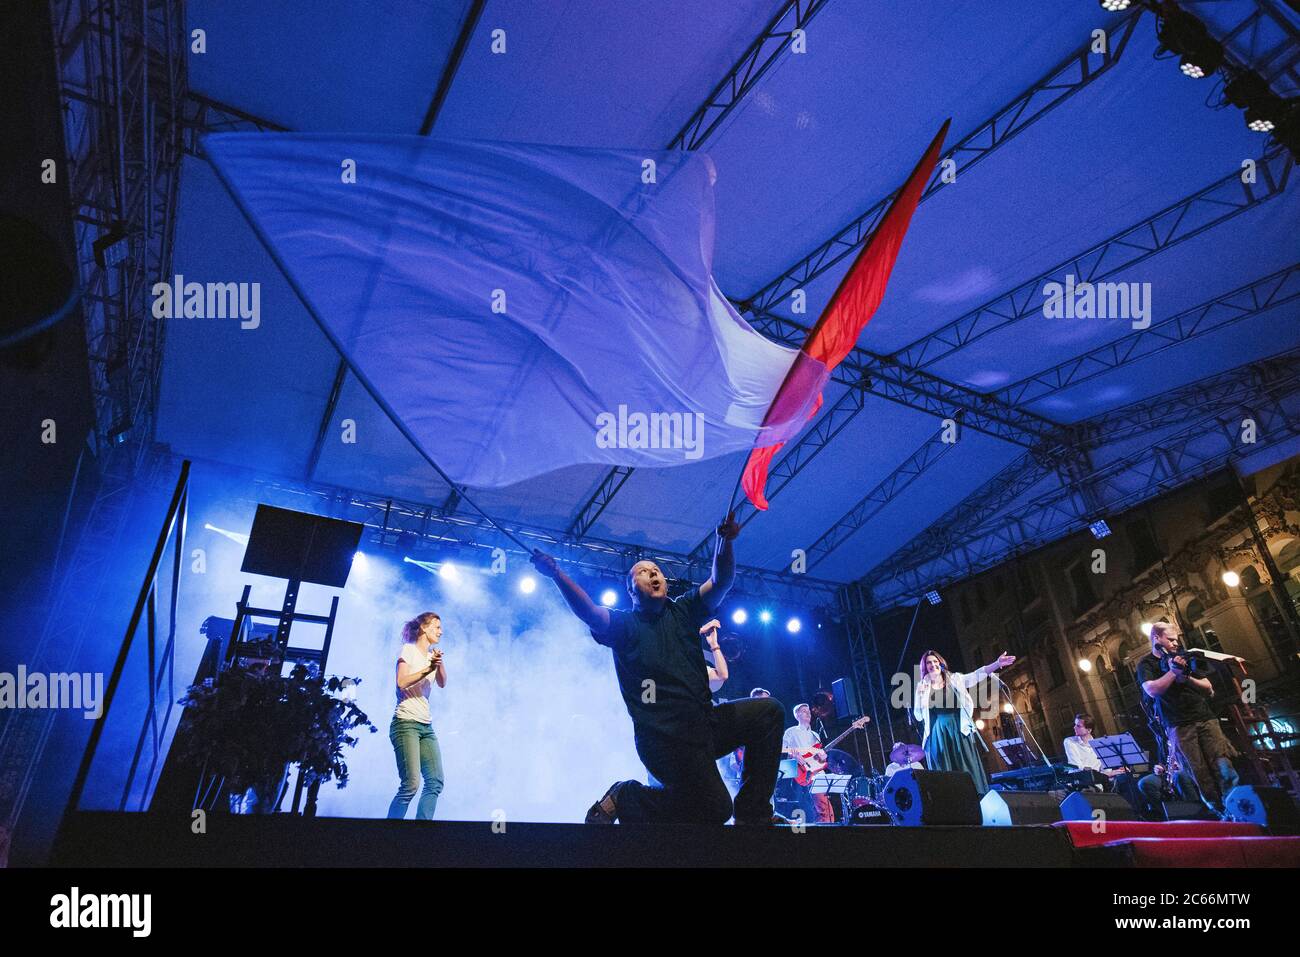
(906, 753)
(841, 762)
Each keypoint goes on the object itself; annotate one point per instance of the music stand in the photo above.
(1118, 751)
(1015, 752)
(828, 783)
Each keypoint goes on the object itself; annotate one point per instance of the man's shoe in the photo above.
(605, 811)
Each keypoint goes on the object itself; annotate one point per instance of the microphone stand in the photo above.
(1027, 730)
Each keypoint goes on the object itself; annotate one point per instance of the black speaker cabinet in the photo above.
(1082, 805)
(1272, 808)
(1187, 811)
(932, 797)
(1006, 808)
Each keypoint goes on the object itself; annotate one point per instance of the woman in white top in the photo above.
(947, 715)
(411, 732)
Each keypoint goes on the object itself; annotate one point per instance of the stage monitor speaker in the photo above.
(1007, 808)
(300, 546)
(1187, 811)
(1272, 808)
(1082, 805)
(846, 698)
(916, 797)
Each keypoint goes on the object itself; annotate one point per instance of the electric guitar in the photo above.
(813, 761)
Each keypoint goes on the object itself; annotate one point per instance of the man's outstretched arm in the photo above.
(713, 591)
(595, 617)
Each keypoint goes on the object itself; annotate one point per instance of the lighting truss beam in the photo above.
(1073, 74)
(868, 672)
(205, 115)
(1245, 302)
(1266, 379)
(881, 376)
(1188, 217)
(923, 391)
(614, 480)
(595, 556)
(748, 70)
(1193, 452)
(121, 83)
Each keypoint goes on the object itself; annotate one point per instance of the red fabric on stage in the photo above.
(853, 304)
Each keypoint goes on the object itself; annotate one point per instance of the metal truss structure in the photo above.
(864, 370)
(1220, 312)
(1188, 217)
(130, 118)
(1211, 441)
(732, 88)
(1073, 74)
(414, 525)
(122, 80)
(869, 678)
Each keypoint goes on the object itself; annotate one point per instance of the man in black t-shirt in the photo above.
(1182, 703)
(664, 681)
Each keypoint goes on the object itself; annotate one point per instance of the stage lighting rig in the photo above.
(1099, 529)
(1115, 6)
(1246, 90)
(933, 597)
(1183, 34)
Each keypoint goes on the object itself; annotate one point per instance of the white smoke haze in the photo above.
(531, 724)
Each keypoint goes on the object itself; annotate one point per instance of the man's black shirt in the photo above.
(1182, 703)
(663, 649)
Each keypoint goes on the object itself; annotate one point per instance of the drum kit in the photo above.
(869, 790)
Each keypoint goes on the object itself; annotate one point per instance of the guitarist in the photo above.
(797, 742)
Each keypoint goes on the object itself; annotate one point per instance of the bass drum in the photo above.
(864, 790)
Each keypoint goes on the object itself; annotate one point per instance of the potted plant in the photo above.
(250, 723)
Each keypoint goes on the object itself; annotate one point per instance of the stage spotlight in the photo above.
(359, 561)
(739, 616)
(793, 626)
(609, 598)
(1099, 528)
(1181, 33)
(528, 584)
(1248, 91)
(933, 597)
(449, 571)
(1115, 6)
(1085, 665)
(1257, 123)
(1231, 579)
(765, 616)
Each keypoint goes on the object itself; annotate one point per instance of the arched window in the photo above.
(1289, 557)
(1250, 580)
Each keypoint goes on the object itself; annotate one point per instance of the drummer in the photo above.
(903, 755)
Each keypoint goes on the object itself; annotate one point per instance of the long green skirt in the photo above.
(947, 749)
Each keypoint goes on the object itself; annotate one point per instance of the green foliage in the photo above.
(248, 724)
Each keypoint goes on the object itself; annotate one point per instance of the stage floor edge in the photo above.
(112, 839)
